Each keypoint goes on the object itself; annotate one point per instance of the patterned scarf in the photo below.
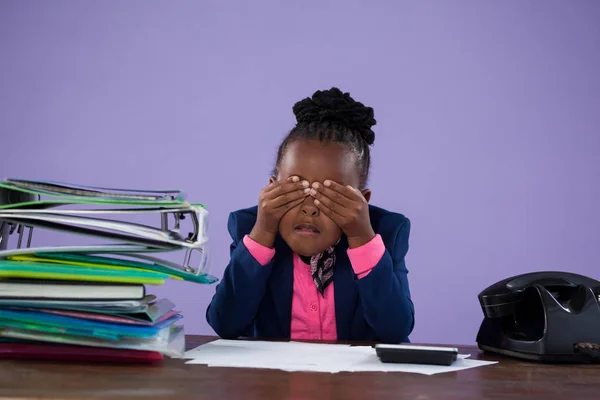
(321, 268)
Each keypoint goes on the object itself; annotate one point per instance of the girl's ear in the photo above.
(367, 194)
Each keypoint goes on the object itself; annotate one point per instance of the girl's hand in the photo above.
(275, 200)
(348, 208)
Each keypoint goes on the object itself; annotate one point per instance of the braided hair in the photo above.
(333, 116)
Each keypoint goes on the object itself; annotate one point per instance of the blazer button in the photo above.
(313, 307)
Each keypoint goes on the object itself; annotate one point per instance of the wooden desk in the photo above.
(173, 379)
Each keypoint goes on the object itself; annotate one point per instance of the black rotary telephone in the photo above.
(542, 316)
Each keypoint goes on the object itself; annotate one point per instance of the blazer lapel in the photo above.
(346, 294)
(281, 285)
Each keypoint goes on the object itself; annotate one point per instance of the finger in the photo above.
(334, 216)
(348, 191)
(274, 183)
(297, 194)
(268, 188)
(334, 206)
(336, 197)
(287, 207)
(285, 188)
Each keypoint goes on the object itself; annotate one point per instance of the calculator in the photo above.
(411, 354)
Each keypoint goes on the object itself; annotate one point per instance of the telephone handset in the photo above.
(546, 316)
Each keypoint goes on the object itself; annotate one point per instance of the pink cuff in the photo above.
(366, 257)
(262, 254)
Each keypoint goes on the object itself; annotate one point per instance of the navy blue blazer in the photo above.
(256, 301)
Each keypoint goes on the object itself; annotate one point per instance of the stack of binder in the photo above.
(93, 301)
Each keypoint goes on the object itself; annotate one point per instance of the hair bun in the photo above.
(338, 108)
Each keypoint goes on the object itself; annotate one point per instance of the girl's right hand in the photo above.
(275, 200)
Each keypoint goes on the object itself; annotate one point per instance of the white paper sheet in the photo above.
(313, 357)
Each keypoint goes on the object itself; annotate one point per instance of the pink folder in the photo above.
(50, 352)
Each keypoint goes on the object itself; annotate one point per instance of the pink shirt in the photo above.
(313, 315)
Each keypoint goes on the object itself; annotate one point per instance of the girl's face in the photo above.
(314, 161)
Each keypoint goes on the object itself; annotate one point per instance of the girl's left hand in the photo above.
(348, 208)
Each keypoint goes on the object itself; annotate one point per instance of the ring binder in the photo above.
(86, 210)
(8, 197)
(53, 188)
(3, 234)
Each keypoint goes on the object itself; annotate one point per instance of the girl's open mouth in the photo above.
(307, 230)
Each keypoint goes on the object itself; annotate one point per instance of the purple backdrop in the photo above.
(488, 135)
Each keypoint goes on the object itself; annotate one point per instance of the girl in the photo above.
(314, 260)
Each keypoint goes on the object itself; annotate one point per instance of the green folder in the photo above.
(72, 258)
(51, 271)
